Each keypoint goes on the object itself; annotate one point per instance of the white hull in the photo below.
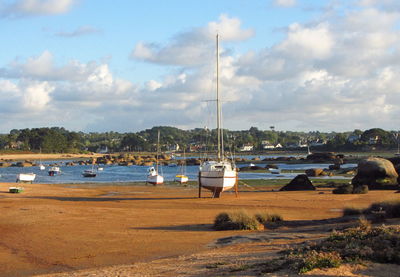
(155, 179)
(181, 179)
(26, 177)
(217, 176)
(42, 167)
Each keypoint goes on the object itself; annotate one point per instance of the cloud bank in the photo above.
(20, 8)
(338, 72)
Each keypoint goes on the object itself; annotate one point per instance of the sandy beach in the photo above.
(53, 228)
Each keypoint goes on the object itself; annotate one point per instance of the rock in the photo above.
(300, 182)
(334, 167)
(274, 166)
(315, 172)
(323, 157)
(4, 164)
(376, 173)
(23, 164)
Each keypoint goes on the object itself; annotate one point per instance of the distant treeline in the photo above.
(60, 140)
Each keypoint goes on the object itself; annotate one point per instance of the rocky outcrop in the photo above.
(376, 173)
(300, 182)
(315, 172)
(325, 157)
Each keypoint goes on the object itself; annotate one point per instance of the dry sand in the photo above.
(146, 230)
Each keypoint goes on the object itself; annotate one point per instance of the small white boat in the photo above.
(275, 171)
(100, 169)
(54, 170)
(182, 179)
(42, 167)
(15, 189)
(252, 165)
(154, 178)
(89, 173)
(181, 176)
(26, 177)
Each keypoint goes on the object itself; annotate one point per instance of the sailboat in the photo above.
(220, 174)
(182, 178)
(41, 166)
(26, 177)
(153, 177)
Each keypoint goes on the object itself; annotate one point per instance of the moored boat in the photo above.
(15, 189)
(153, 177)
(54, 170)
(220, 174)
(89, 173)
(26, 177)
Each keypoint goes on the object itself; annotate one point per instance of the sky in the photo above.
(128, 65)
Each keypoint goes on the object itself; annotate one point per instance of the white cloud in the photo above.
(311, 42)
(36, 95)
(285, 3)
(36, 7)
(192, 48)
(80, 31)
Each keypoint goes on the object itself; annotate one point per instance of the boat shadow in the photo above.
(183, 228)
(107, 199)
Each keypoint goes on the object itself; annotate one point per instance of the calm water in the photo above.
(115, 173)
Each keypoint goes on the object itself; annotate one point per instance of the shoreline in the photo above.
(59, 156)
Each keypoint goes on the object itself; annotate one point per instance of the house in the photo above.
(373, 140)
(267, 145)
(174, 147)
(102, 150)
(353, 138)
(317, 143)
(246, 148)
(278, 145)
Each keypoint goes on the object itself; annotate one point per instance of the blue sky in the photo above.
(129, 65)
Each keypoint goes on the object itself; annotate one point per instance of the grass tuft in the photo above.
(238, 220)
(264, 217)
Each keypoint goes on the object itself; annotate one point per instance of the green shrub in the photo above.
(344, 189)
(363, 189)
(264, 218)
(239, 220)
(315, 259)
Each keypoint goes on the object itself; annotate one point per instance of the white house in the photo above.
(246, 148)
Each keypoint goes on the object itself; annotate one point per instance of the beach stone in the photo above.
(314, 172)
(5, 164)
(334, 166)
(23, 164)
(323, 157)
(300, 182)
(376, 173)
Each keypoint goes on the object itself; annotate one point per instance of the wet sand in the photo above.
(53, 228)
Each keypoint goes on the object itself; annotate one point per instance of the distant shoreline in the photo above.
(59, 156)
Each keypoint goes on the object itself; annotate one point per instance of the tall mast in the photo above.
(218, 107)
(158, 145)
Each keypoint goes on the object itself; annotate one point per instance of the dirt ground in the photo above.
(149, 231)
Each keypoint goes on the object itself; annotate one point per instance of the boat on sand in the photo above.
(220, 174)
